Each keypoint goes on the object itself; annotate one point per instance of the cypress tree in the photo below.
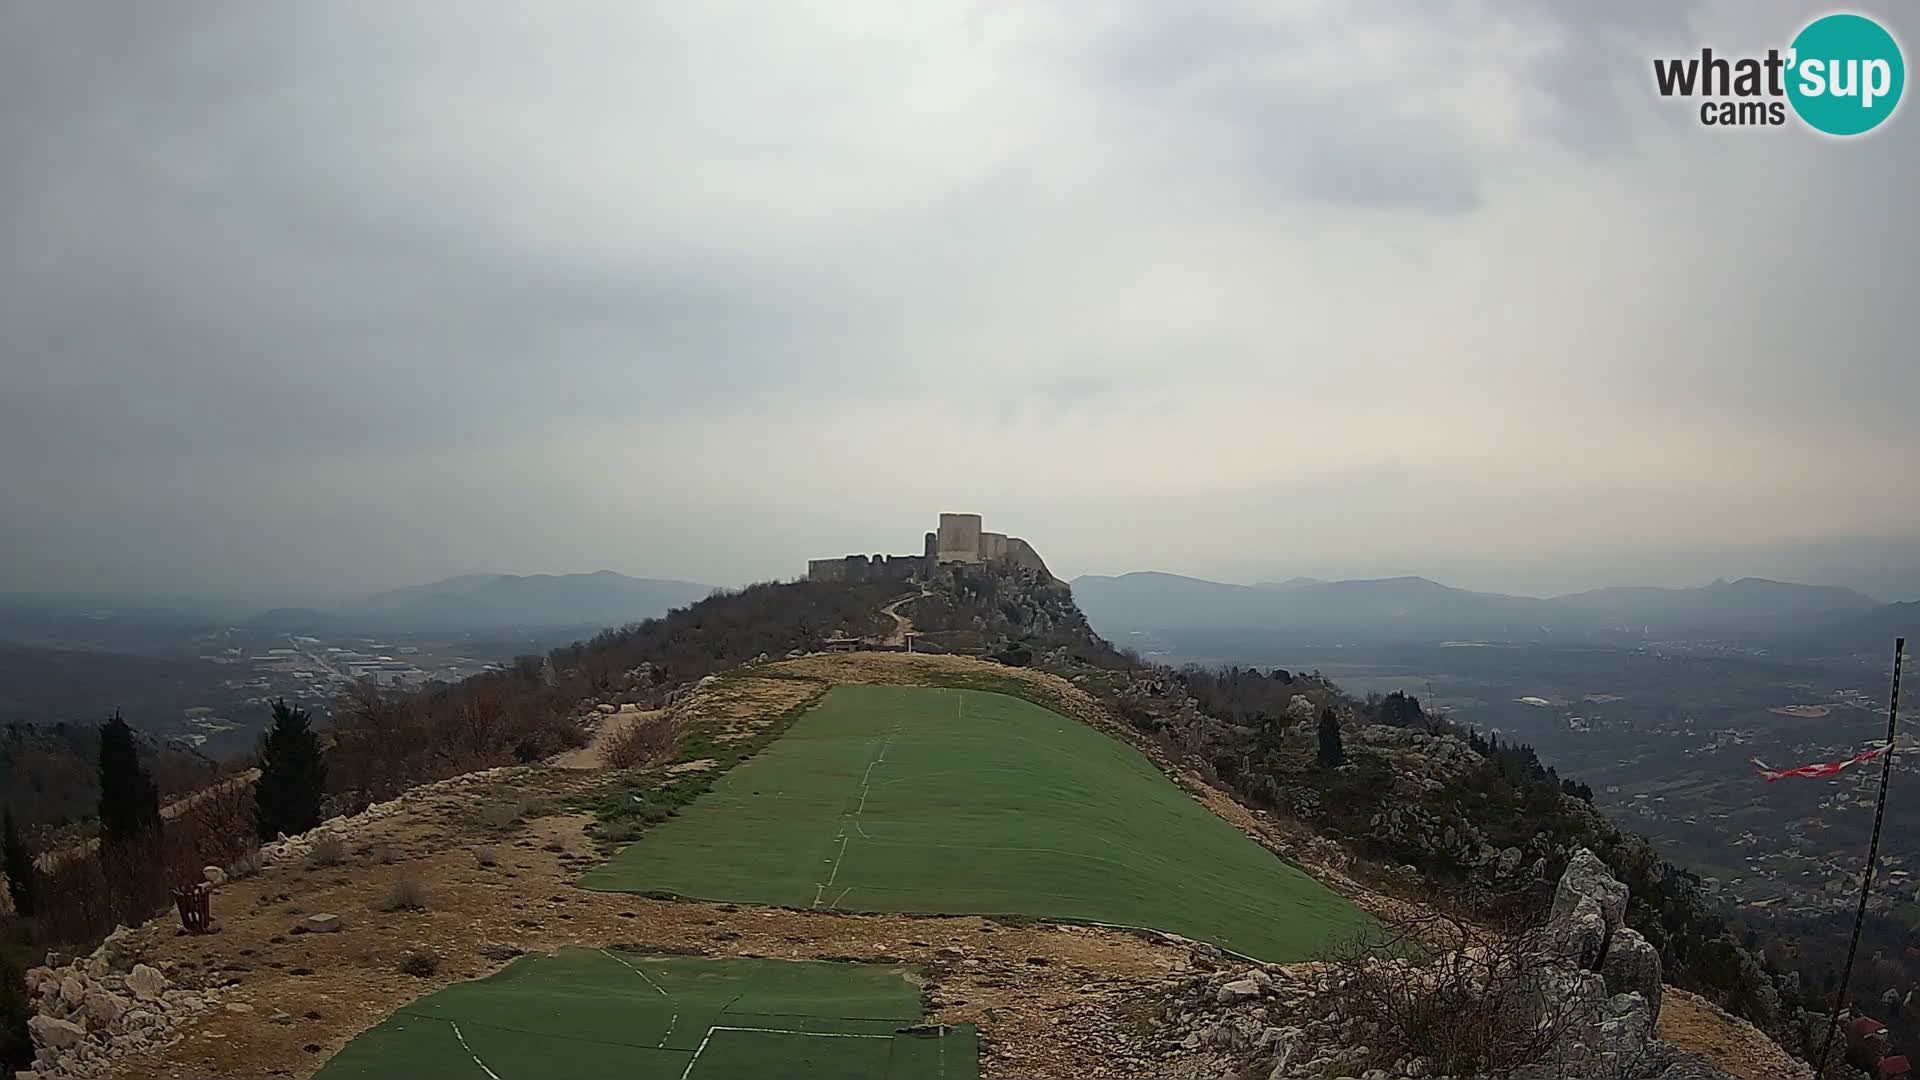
(293, 775)
(19, 866)
(129, 799)
(1332, 753)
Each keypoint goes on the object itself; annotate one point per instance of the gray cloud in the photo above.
(350, 295)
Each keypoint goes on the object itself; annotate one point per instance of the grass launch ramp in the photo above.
(913, 799)
(587, 1013)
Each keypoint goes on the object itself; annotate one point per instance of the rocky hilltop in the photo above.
(1523, 935)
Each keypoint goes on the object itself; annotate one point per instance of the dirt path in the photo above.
(902, 625)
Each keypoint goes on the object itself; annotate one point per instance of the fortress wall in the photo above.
(1021, 553)
(993, 545)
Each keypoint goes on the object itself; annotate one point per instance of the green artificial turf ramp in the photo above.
(913, 799)
(587, 1013)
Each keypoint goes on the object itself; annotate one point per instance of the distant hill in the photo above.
(1746, 598)
(1410, 607)
(496, 601)
(1415, 608)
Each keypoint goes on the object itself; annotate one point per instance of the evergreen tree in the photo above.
(1331, 752)
(129, 799)
(19, 866)
(293, 775)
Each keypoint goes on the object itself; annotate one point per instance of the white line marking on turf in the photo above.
(837, 899)
(688, 1071)
(469, 1050)
(672, 1020)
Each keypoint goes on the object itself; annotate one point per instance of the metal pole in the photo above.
(1873, 855)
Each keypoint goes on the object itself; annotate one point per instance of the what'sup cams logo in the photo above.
(1842, 76)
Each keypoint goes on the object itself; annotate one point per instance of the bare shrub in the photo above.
(1468, 999)
(248, 864)
(406, 895)
(486, 856)
(644, 743)
(420, 963)
(499, 815)
(328, 850)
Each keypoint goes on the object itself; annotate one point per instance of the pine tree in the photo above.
(129, 799)
(293, 775)
(1332, 753)
(19, 866)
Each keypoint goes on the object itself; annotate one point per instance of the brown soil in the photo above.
(1691, 1022)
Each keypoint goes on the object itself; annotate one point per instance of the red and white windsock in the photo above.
(1824, 768)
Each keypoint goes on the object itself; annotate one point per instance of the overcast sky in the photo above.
(337, 296)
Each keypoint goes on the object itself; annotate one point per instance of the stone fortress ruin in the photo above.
(958, 540)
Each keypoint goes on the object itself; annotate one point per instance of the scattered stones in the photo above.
(83, 1014)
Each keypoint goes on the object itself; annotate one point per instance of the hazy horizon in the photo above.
(319, 300)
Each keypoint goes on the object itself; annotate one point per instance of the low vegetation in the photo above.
(420, 963)
(406, 894)
(644, 743)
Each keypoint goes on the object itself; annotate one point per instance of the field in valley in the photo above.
(914, 799)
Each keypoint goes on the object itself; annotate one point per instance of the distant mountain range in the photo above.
(1417, 609)
(474, 602)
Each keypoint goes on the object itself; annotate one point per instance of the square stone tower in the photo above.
(959, 538)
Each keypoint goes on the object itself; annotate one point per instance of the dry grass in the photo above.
(406, 894)
(644, 743)
(329, 850)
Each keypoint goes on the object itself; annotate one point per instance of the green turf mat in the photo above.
(586, 1014)
(914, 799)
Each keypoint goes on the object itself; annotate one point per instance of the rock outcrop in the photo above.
(1586, 980)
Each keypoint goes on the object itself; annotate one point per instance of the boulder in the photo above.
(56, 1034)
(146, 983)
(104, 1006)
(1236, 991)
(215, 876)
(1580, 936)
(72, 990)
(324, 923)
(1632, 966)
(1587, 876)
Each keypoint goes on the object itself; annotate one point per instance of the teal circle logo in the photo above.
(1846, 74)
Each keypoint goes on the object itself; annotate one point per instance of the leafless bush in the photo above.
(485, 856)
(406, 895)
(328, 850)
(246, 865)
(499, 815)
(1466, 998)
(644, 743)
(421, 963)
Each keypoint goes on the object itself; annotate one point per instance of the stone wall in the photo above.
(859, 568)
